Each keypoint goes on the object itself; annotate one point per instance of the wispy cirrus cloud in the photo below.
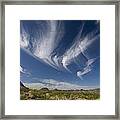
(78, 47)
(24, 71)
(84, 71)
(24, 42)
(42, 42)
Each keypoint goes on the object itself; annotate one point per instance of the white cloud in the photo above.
(47, 37)
(54, 84)
(24, 71)
(80, 45)
(24, 42)
(91, 61)
(84, 71)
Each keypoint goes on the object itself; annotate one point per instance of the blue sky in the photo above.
(62, 53)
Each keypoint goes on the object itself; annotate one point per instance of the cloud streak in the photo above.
(54, 84)
(44, 41)
(84, 71)
(24, 71)
(79, 47)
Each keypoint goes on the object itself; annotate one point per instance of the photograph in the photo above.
(60, 63)
(59, 60)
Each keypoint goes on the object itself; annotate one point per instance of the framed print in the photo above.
(60, 60)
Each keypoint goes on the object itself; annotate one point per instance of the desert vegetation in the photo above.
(46, 94)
